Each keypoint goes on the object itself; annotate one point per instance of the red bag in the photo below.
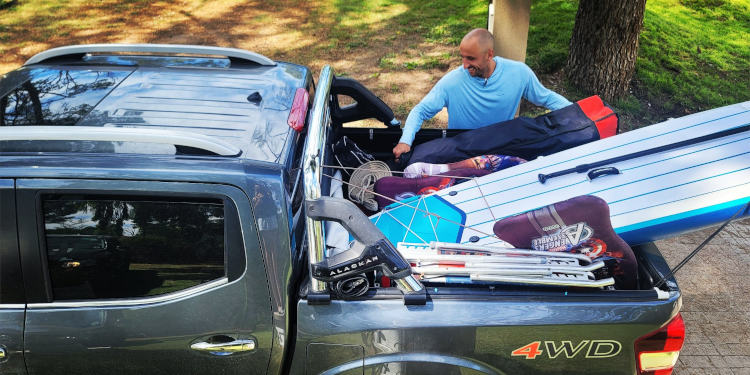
(601, 114)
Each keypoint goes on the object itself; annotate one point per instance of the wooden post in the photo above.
(508, 21)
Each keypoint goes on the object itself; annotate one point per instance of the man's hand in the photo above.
(400, 149)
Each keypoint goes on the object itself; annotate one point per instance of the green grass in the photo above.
(428, 62)
(696, 56)
(693, 55)
(550, 27)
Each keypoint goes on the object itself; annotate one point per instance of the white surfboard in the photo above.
(653, 197)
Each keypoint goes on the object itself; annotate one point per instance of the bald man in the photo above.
(485, 90)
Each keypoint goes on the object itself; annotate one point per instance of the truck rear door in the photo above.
(12, 306)
(139, 277)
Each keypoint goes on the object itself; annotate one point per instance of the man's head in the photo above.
(477, 50)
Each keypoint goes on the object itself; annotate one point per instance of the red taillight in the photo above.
(656, 353)
(299, 110)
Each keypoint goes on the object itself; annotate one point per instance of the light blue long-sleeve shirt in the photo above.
(474, 102)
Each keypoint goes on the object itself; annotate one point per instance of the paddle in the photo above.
(582, 168)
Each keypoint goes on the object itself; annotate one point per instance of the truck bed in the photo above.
(498, 328)
(483, 329)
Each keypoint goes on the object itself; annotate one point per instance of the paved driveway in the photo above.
(716, 302)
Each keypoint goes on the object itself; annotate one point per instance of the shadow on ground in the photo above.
(388, 46)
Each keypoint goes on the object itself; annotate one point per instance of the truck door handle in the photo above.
(225, 348)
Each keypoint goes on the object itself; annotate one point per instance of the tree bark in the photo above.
(604, 46)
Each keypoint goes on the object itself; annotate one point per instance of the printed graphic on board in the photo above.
(564, 239)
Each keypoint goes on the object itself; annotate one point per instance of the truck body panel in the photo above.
(442, 332)
(129, 257)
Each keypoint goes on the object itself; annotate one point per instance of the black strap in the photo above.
(605, 117)
(703, 244)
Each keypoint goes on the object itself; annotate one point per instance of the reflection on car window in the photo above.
(126, 248)
(56, 97)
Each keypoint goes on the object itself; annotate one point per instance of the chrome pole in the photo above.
(320, 121)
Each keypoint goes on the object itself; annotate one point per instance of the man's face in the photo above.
(474, 58)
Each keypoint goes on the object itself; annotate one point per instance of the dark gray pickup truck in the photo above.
(162, 209)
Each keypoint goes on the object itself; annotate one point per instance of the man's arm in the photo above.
(542, 96)
(425, 110)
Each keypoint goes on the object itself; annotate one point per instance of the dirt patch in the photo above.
(289, 30)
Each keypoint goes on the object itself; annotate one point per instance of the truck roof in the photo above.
(244, 102)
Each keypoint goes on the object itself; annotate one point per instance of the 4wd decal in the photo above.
(565, 239)
(553, 349)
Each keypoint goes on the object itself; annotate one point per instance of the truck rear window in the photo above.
(55, 96)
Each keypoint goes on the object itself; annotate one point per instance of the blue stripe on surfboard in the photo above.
(522, 198)
(678, 185)
(627, 169)
(584, 180)
(668, 226)
(672, 225)
(622, 145)
(687, 153)
(625, 184)
(686, 198)
(628, 183)
(615, 147)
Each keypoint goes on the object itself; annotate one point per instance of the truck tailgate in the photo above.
(496, 334)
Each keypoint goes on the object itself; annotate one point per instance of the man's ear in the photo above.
(491, 53)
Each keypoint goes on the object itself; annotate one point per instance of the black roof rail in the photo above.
(164, 49)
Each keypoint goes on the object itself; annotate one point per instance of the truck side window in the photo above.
(131, 247)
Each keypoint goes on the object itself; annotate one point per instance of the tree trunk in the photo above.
(604, 46)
